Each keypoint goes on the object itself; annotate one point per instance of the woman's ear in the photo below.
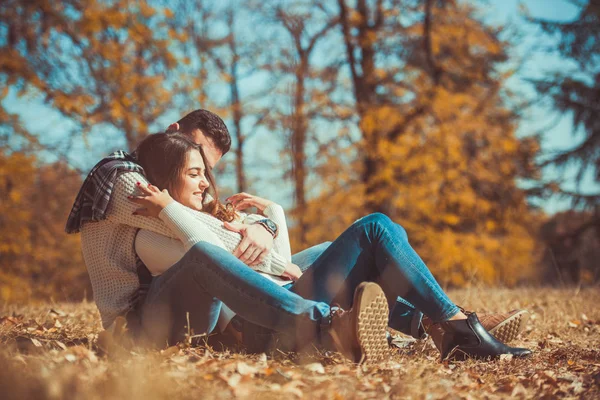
(174, 127)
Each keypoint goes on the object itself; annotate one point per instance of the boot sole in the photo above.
(371, 322)
(512, 327)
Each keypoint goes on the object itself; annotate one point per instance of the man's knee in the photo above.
(375, 219)
(381, 220)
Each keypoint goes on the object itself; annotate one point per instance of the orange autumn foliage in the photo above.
(38, 260)
(444, 163)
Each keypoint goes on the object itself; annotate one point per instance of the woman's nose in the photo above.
(204, 183)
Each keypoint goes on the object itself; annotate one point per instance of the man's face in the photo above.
(213, 154)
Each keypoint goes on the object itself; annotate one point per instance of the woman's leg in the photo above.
(375, 249)
(306, 258)
(190, 289)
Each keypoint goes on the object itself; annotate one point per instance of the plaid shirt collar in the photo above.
(93, 198)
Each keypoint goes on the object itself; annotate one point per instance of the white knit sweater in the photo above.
(109, 254)
(159, 252)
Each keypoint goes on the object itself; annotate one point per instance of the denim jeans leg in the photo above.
(257, 338)
(305, 259)
(375, 249)
(207, 273)
(403, 316)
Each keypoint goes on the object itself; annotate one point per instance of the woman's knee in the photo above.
(204, 253)
(205, 248)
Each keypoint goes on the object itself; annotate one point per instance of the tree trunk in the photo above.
(298, 140)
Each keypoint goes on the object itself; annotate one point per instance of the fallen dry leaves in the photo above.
(53, 352)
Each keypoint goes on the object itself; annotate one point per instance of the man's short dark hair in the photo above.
(210, 124)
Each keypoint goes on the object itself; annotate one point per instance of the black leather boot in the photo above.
(468, 338)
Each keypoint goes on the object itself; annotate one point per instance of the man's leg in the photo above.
(403, 317)
(190, 289)
(375, 249)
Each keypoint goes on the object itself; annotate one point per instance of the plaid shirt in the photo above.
(93, 198)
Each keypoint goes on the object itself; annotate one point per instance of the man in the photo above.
(108, 242)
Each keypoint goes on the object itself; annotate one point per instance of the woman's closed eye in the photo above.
(196, 172)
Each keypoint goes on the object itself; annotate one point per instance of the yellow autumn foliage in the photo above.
(38, 260)
(450, 176)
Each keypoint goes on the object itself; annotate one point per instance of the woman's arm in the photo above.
(281, 243)
(121, 210)
(271, 210)
(184, 223)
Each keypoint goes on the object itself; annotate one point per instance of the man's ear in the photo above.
(174, 127)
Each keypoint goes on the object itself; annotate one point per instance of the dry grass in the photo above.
(61, 361)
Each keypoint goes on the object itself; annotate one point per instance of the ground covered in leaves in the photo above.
(50, 352)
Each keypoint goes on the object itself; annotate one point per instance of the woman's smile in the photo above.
(193, 184)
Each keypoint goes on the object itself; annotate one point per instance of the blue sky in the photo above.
(557, 131)
(538, 119)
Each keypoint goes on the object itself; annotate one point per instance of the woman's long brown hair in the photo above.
(164, 156)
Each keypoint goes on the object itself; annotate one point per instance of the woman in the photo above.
(371, 249)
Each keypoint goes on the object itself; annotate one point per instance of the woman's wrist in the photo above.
(164, 202)
(271, 210)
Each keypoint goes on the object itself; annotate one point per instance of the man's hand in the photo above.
(255, 245)
(292, 271)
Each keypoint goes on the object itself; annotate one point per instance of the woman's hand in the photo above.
(241, 201)
(152, 200)
(292, 272)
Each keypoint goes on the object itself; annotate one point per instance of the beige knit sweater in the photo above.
(109, 254)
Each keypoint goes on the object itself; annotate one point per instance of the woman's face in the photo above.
(193, 183)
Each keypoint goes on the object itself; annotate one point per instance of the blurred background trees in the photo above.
(337, 108)
(572, 238)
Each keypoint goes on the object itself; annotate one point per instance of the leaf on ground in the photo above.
(170, 351)
(245, 369)
(60, 344)
(402, 341)
(234, 380)
(519, 390)
(292, 388)
(315, 367)
(577, 387)
(58, 313)
(80, 353)
(9, 321)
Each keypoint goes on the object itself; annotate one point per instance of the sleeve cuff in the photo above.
(170, 212)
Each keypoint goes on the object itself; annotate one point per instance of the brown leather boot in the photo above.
(360, 333)
(505, 327)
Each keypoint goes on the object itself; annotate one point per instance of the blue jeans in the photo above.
(372, 249)
(404, 317)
